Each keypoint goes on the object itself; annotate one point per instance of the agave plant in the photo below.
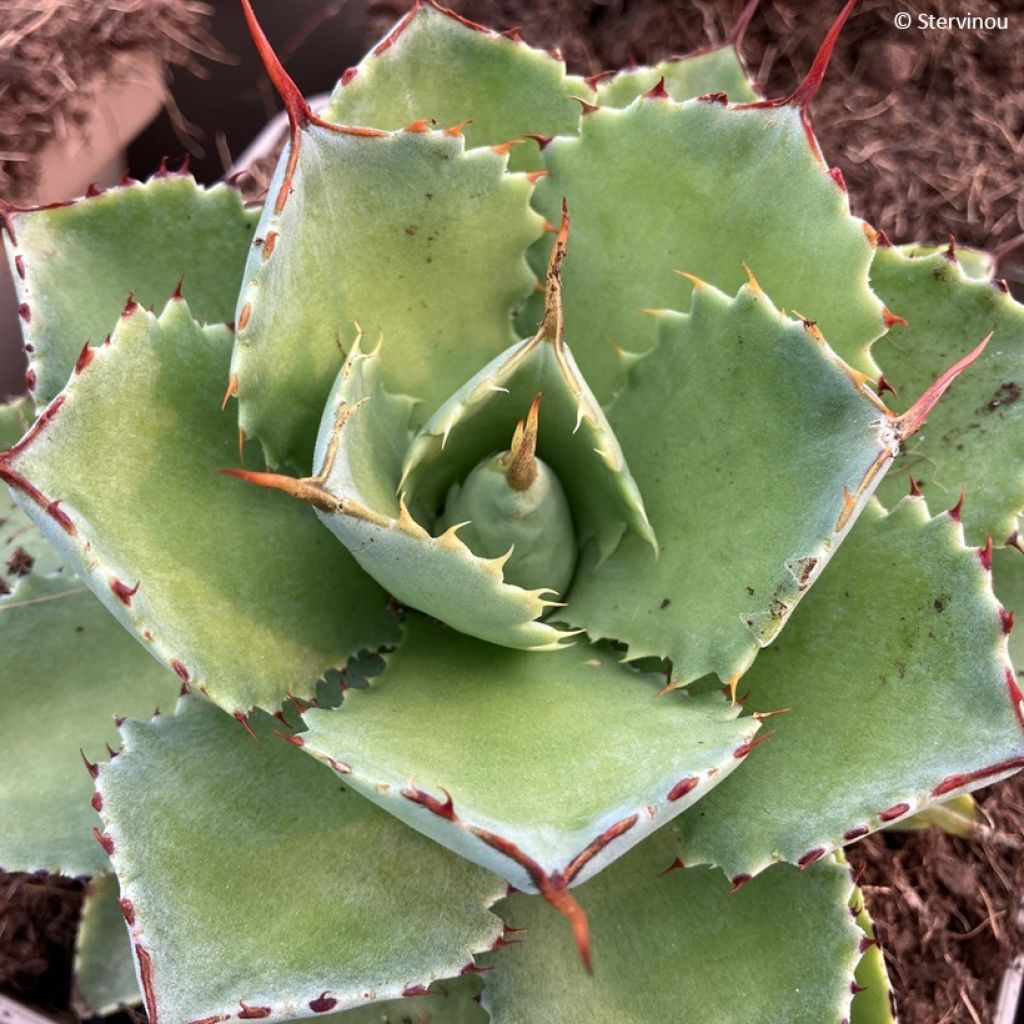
(478, 614)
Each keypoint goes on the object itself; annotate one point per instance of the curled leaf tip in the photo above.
(914, 418)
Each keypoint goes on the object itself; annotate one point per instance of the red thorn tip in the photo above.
(950, 251)
(805, 92)
(714, 97)
(104, 840)
(837, 176)
(161, 171)
(185, 167)
(177, 287)
(443, 809)
(855, 988)
(241, 717)
(1006, 620)
(676, 865)
(123, 592)
(130, 305)
(90, 766)
(126, 179)
(890, 319)
(296, 741)
(682, 787)
(657, 91)
(957, 511)
(93, 190)
(857, 832)
(348, 74)
(543, 141)
(883, 238)
(231, 391)
(414, 990)
(883, 386)
(293, 100)
(585, 107)
(891, 813)
(180, 670)
(738, 881)
(914, 418)
(915, 491)
(323, 1003)
(25, 312)
(84, 358)
(746, 748)
(595, 80)
(866, 944)
(810, 857)
(985, 554)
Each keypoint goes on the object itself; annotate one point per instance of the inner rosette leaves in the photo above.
(477, 519)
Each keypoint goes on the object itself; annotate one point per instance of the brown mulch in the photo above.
(51, 52)
(947, 910)
(38, 921)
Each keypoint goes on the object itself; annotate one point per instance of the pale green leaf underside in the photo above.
(18, 534)
(678, 946)
(66, 668)
(547, 751)
(742, 429)
(696, 74)
(434, 66)
(81, 260)
(254, 875)
(240, 590)
(363, 437)
(895, 671)
(575, 440)
(875, 1003)
(417, 241)
(104, 969)
(974, 438)
(702, 188)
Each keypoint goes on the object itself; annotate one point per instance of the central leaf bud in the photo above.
(513, 500)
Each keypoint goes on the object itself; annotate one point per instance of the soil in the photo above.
(928, 130)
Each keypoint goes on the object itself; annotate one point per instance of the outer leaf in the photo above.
(975, 439)
(74, 263)
(238, 591)
(896, 672)
(104, 969)
(22, 547)
(703, 188)
(333, 905)
(716, 70)
(678, 946)
(576, 440)
(436, 64)
(748, 496)
(534, 766)
(424, 247)
(355, 492)
(66, 668)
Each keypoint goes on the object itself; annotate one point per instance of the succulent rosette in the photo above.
(462, 494)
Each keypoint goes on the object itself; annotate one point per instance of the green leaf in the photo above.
(74, 263)
(239, 591)
(434, 64)
(973, 262)
(255, 882)
(697, 74)
(874, 1002)
(678, 946)
(66, 668)
(754, 448)
(424, 247)
(565, 757)
(1008, 582)
(104, 969)
(446, 1002)
(355, 493)
(702, 188)
(895, 670)
(575, 439)
(22, 547)
(975, 438)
